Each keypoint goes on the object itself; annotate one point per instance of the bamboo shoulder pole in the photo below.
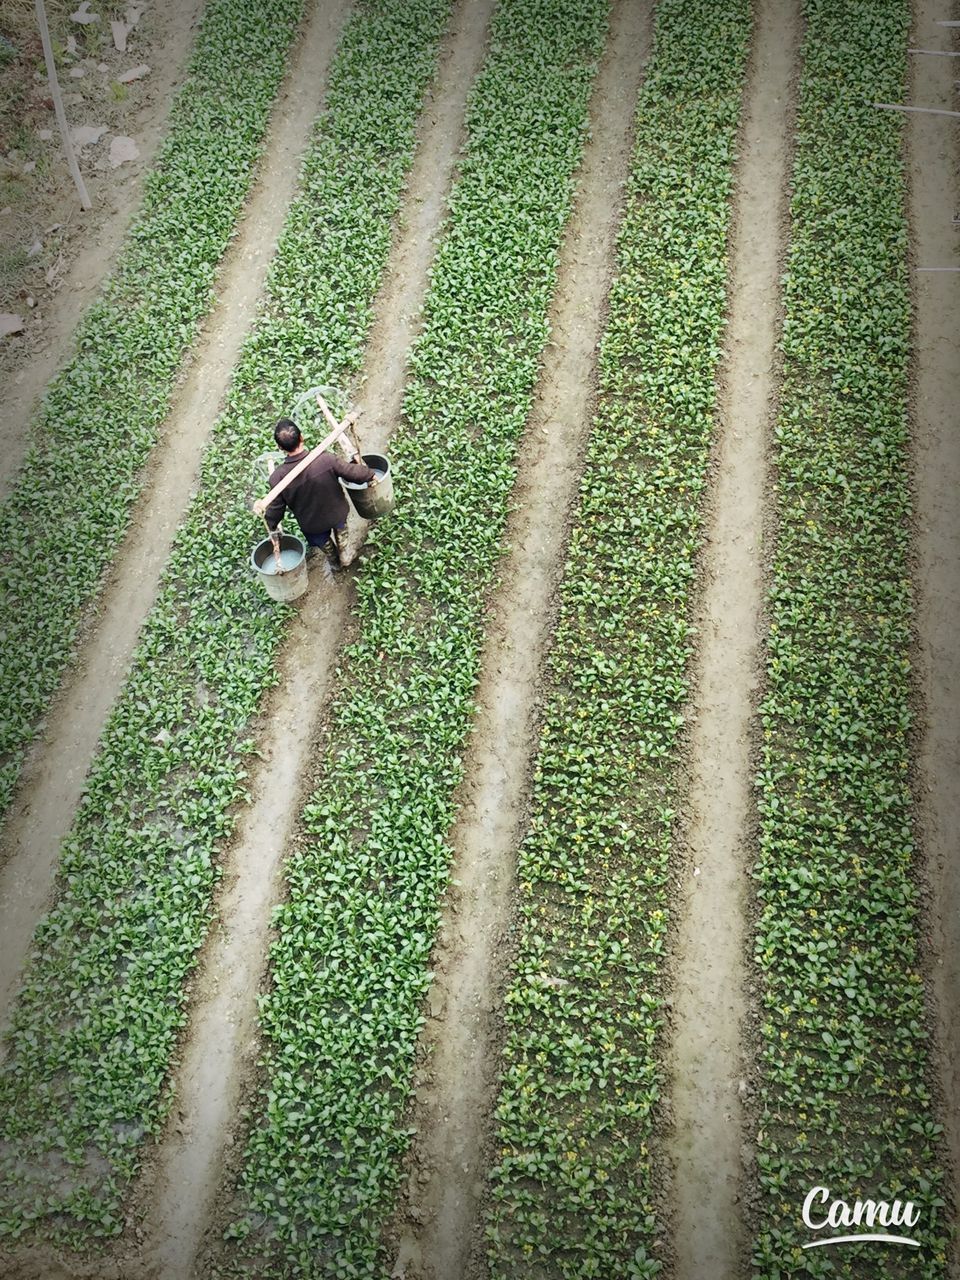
(261, 503)
(345, 442)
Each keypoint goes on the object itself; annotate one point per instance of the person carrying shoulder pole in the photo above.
(315, 497)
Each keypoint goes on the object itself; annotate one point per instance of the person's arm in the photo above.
(274, 511)
(357, 472)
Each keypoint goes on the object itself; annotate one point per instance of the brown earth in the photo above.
(434, 1235)
(199, 1154)
(933, 148)
(54, 774)
(77, 248)
(435, 1227)
(709, 1062)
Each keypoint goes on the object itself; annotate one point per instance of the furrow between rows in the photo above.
(177, 1200)
(80, 483)
(934, 156)
(578, 1167)
(53, 778)
(845, 1109)
(350, 966)
(435, 1227)
(710, 1063)
(85, 1078)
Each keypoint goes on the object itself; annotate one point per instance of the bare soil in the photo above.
(434, 1234)
(708, 1058)
(934, 171)
(40, 210)
(54, 775)
(184, 1191)
(200, 1151)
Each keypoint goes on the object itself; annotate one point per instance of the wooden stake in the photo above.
(58, 106)
(933, 111)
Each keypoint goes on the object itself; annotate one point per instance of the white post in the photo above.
(58, 105)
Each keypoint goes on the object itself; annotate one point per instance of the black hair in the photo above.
(287, 435)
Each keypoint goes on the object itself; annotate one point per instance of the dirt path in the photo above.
(934, 155)
(435, 1225)
(96, 236)
(179, 1193)
(53, 777)
(712, 944)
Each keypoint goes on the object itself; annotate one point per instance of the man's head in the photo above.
(287, 435)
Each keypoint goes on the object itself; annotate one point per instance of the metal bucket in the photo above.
(292, 583)
(372, 500)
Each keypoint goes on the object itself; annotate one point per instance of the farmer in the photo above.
(315, 497)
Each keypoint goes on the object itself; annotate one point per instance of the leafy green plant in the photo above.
(100, 415)
(351, 961)
(85, 1077)
(845, 1098)
(571, 1191)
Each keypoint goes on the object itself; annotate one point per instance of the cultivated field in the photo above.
(571, 886)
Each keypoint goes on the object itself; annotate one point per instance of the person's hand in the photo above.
(260, 506)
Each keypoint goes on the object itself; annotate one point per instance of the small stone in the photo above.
(102, 66)
(30, 166)
(45, 135)
(122, 149)
(34, 249)
(9, 323)
(120, 32)
(86, 135)
(135, 73)
(72, 45)
(83, 16)
(77, 72)
(31, 301)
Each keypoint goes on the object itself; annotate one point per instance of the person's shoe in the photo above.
(336, 548)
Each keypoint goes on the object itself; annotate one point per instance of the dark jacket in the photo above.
(315, 497)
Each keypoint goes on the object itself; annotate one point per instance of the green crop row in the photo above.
(571, 1192)
(101, 414)
(85, 1078)
(845, 1057)
(350, 965)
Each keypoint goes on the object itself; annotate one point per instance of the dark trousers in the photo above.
(323, 537)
